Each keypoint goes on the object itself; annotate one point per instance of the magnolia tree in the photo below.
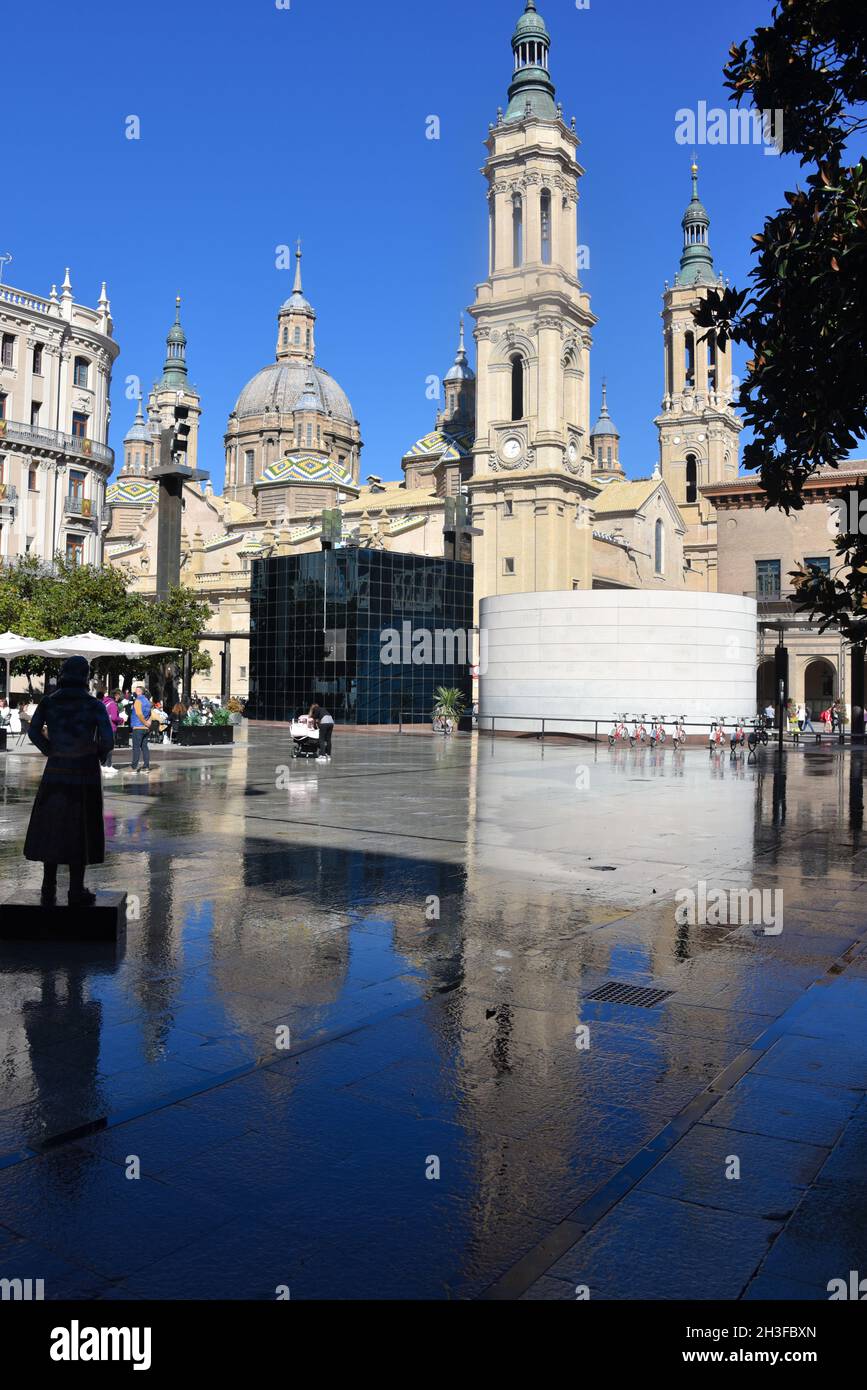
(804, 316)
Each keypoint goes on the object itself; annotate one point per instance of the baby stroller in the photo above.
(305, 738)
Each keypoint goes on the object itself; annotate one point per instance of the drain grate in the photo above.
(638, 996)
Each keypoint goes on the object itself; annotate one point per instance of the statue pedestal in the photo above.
(23, 918)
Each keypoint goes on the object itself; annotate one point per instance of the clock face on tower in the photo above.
(511, 449)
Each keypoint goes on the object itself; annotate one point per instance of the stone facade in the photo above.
(757, 552)
(56, 359)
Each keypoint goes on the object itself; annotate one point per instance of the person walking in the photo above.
(325, 725)
(113, 713)
(140, 722)
(5, 714)
(805, 723)
(827, 723)
(73, 731)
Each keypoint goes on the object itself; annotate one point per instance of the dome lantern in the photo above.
(532, 92)
(295, 323)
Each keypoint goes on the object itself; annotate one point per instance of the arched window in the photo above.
(711, 362)
(285, 337)
(689, 358)
(249, 459)
(309, 435)
(545, 211)
(297, 337)
(609, 456)
(691, 478)
(80, 371)
(517, 230)
(517, 388)
(308, 340)
(659, 548)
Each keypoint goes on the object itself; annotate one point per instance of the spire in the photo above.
(461, 370)
(696, 262)
(295, 322)
(175, 365)
(532, 92)
(605, 424)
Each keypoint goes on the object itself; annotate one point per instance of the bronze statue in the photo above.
(73, 730)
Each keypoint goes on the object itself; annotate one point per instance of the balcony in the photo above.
(80, 509)
(8, 501)
(40, 437)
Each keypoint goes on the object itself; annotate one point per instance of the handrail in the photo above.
(55, 439)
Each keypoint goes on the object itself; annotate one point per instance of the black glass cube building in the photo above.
(369, 634)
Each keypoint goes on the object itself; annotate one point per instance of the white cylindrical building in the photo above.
(590, 654)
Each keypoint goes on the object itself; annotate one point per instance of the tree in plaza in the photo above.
(176, 621)
(804, 318)
(43, 602)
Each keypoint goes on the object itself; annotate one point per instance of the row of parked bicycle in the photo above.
(734, 731)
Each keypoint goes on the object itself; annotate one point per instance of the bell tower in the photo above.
(531, 490)
(698, 427)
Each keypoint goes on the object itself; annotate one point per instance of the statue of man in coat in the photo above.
(71, 727)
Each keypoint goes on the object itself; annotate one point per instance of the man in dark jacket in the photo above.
(74, 732)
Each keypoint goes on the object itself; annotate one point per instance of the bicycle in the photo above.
(758, 733)
(620, 733)
(717, 734)
(639, 731)
(679, 735)
(657, 730)
(739, 734)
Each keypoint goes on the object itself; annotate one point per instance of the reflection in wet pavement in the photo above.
(349, 1042)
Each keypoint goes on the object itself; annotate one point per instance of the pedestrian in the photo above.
(113, 713)
(827, 722)
(770, 715)
(5, 714)
(140, 722)
(325, 725)
(73, 731)
(805, 722)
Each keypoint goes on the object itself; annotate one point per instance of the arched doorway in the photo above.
(820, 686)
(766, 693)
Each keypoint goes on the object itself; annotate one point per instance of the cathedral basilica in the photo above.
(548, 500)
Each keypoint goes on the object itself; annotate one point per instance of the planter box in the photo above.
(2, 740)
(201, 735)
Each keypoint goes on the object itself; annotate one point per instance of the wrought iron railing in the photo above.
(41, 436)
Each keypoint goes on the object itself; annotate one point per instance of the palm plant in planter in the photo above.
(449, 704)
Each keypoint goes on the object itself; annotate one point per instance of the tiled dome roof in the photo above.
(280, 387)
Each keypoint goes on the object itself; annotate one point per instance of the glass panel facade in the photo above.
(369, 634)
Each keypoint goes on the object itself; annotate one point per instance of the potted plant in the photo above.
(193, 732)
(448, 708)
(236, 710)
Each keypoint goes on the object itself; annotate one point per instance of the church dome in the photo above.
(286, 387)
(531, 25)
(139, 431)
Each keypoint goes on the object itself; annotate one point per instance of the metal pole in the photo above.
(781, 694)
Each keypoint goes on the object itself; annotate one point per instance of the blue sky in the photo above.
(261, 124)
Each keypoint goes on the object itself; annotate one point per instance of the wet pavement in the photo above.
(348, 1048)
